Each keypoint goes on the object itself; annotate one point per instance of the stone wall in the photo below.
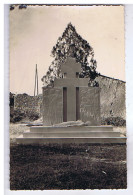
(52, 106)
(112, 97)
(28, 103)
(90, 105)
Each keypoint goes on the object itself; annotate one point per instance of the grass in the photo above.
(73, 166)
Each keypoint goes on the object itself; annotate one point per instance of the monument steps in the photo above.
(71, 134)
(76, 140)
(41, 129)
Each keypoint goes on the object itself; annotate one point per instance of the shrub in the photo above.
(115, 121)
(19, 115)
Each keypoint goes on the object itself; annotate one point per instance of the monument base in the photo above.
(72, 134)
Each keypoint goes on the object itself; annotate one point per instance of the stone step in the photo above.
(71, 134)
(42, 129)
(62, 140)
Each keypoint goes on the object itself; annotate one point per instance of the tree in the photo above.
(72, 44)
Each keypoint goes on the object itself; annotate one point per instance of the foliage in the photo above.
(114, 121)
(18, 115)
(72, 44)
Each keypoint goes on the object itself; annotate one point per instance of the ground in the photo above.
(70, 166)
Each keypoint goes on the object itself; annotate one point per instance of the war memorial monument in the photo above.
(71, 102)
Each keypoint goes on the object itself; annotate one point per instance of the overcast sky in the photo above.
(35, 30)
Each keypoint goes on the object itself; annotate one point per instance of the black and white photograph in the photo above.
(67, 97)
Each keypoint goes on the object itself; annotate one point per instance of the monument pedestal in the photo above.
(72, 134)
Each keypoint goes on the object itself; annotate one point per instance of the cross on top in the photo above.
(71, 82)
(71, 68)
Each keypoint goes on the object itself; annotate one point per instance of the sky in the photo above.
(35, 30)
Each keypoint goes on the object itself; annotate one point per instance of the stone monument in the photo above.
(70, 99)
(71, 108)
